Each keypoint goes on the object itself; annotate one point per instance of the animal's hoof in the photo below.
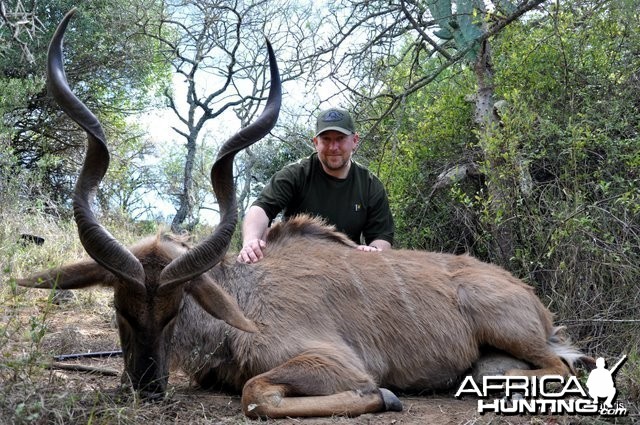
(391, 402)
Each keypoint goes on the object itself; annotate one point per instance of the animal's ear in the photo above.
(218, 303)
(73, 276)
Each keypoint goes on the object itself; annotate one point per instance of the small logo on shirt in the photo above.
(357, 207)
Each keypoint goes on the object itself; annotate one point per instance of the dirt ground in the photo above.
(74, 331)
(189, 405)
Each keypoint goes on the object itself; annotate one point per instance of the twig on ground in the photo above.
(83, 368)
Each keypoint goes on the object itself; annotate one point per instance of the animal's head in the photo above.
(150, 279)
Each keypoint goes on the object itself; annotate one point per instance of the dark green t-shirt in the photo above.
(357, 205)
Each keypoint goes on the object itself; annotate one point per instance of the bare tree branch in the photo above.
(218, 48)
(381, 25)
(19, 22)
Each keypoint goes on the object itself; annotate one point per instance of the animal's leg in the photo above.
(552, 366)
(315, 383)
(529, 343)
(508, 316)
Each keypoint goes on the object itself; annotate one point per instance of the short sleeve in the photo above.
(280, 191)
(379, 219)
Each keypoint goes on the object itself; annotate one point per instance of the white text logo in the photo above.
(551, 394)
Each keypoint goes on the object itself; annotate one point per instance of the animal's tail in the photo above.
(562, 346)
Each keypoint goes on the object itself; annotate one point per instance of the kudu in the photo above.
(317, 327)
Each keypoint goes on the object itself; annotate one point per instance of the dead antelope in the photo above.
(316, 328)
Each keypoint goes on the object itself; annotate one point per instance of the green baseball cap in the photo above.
(335, 119)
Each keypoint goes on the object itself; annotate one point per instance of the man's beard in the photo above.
(335, 165)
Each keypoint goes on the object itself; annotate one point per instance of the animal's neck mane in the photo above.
(305, 225)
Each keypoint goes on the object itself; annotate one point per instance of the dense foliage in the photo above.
(567, 85)
(112, 68)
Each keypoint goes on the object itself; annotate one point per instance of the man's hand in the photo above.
(251, 252)
(375, 245)
(367, 248)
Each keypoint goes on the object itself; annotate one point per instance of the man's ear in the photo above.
(356, 140)
(73, 276)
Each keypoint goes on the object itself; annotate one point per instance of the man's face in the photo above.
(334, 150)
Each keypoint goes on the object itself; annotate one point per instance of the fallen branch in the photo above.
(83, 368)
(95, 354)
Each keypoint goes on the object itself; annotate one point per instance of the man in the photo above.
(600, 382)
(328, 184)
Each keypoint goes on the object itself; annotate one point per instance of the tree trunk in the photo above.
(498, 182)
(245, 192)
(185, 209)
